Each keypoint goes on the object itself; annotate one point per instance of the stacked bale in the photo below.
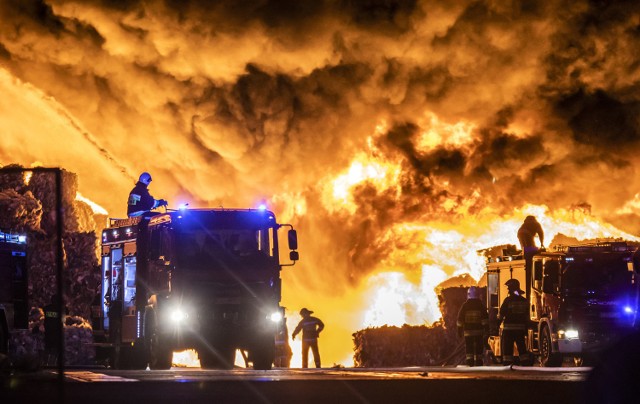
(30, 206)
(421, 345)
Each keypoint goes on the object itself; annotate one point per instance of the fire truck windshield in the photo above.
(202, 249)
(603, 276)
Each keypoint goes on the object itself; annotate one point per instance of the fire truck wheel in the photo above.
(262, 360)
(221, 357)
(159, 353)
(547, 357)
(263, 356)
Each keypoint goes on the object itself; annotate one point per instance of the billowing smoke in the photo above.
(479, 104)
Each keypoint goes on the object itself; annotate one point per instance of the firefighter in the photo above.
(514, 317)
(473, 324)
(283, 349)
(311, 328)
(140, 201)
(526, 235)
(52, 330)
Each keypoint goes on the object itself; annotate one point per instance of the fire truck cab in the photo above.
(203, 279)
(14, 310)
(582, 298)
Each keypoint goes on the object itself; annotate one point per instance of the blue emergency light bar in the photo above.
(13, 238)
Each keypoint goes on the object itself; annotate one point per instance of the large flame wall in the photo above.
(398, 136)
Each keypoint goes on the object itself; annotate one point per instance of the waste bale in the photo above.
(43, 187)
(20, 212)
(27, 346)
(28, 202)
(390, 346)
(415, 345)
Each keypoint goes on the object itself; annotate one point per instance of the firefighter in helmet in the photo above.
(140, 201)
(473, 324)
(514, 316)
(283, 349)
(311, 328)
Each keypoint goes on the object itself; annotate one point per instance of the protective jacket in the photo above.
(140, 200)
(473, 319)
(310, 327)
(528, 231)
(514, 313)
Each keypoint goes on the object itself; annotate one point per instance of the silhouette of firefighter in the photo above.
(53, 330)
(514, 316)
(140, 200)
(527, 233)
(283, 349)
(473, 325)
(311, 328)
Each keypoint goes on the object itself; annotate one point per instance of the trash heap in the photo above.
(421, 345)
(28, 205)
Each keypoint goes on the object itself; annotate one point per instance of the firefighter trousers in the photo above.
(517, 337)
(313, 345)
(474, 347)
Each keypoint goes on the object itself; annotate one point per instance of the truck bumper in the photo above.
(569, 346)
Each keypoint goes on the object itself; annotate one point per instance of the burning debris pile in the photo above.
(28, 203)
(415, 345)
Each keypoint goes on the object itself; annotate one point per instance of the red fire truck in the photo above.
(582, 298)
(203, 279)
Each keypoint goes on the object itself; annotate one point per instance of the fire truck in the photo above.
(203, 279)
(582, 298)
(14, 310)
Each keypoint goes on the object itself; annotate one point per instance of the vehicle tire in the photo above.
(159, 354)
(139, 356)
(263, 356)
(222, 356)
(547, 357)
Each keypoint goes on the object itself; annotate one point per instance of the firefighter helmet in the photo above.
(145, 178)
(513, 285)
(472, 292)
(305, 311)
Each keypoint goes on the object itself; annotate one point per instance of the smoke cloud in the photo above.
(231, 103)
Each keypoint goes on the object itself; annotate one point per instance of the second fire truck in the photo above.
(582, 298)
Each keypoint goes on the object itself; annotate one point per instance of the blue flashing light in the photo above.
(628, 310)
(183, 206)
(262, 206)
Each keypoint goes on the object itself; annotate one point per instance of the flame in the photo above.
(439, 133)
(186, 359)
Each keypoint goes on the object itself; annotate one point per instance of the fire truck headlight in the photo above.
(276, 317)
(178, 315)
(568, 334)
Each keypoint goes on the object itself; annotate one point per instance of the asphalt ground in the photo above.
(491, 384)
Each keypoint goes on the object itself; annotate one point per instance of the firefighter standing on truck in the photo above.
(473, 324)
(311, 328)
(514, 316)
(140, 200)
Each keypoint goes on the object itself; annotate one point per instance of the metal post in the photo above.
(60, 280)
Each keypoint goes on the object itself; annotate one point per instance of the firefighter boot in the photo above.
(479, 361)
(469, 361)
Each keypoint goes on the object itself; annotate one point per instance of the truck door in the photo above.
(493, 302)
(536, 289)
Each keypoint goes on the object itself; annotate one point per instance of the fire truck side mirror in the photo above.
(293, 239)
(294, 256)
